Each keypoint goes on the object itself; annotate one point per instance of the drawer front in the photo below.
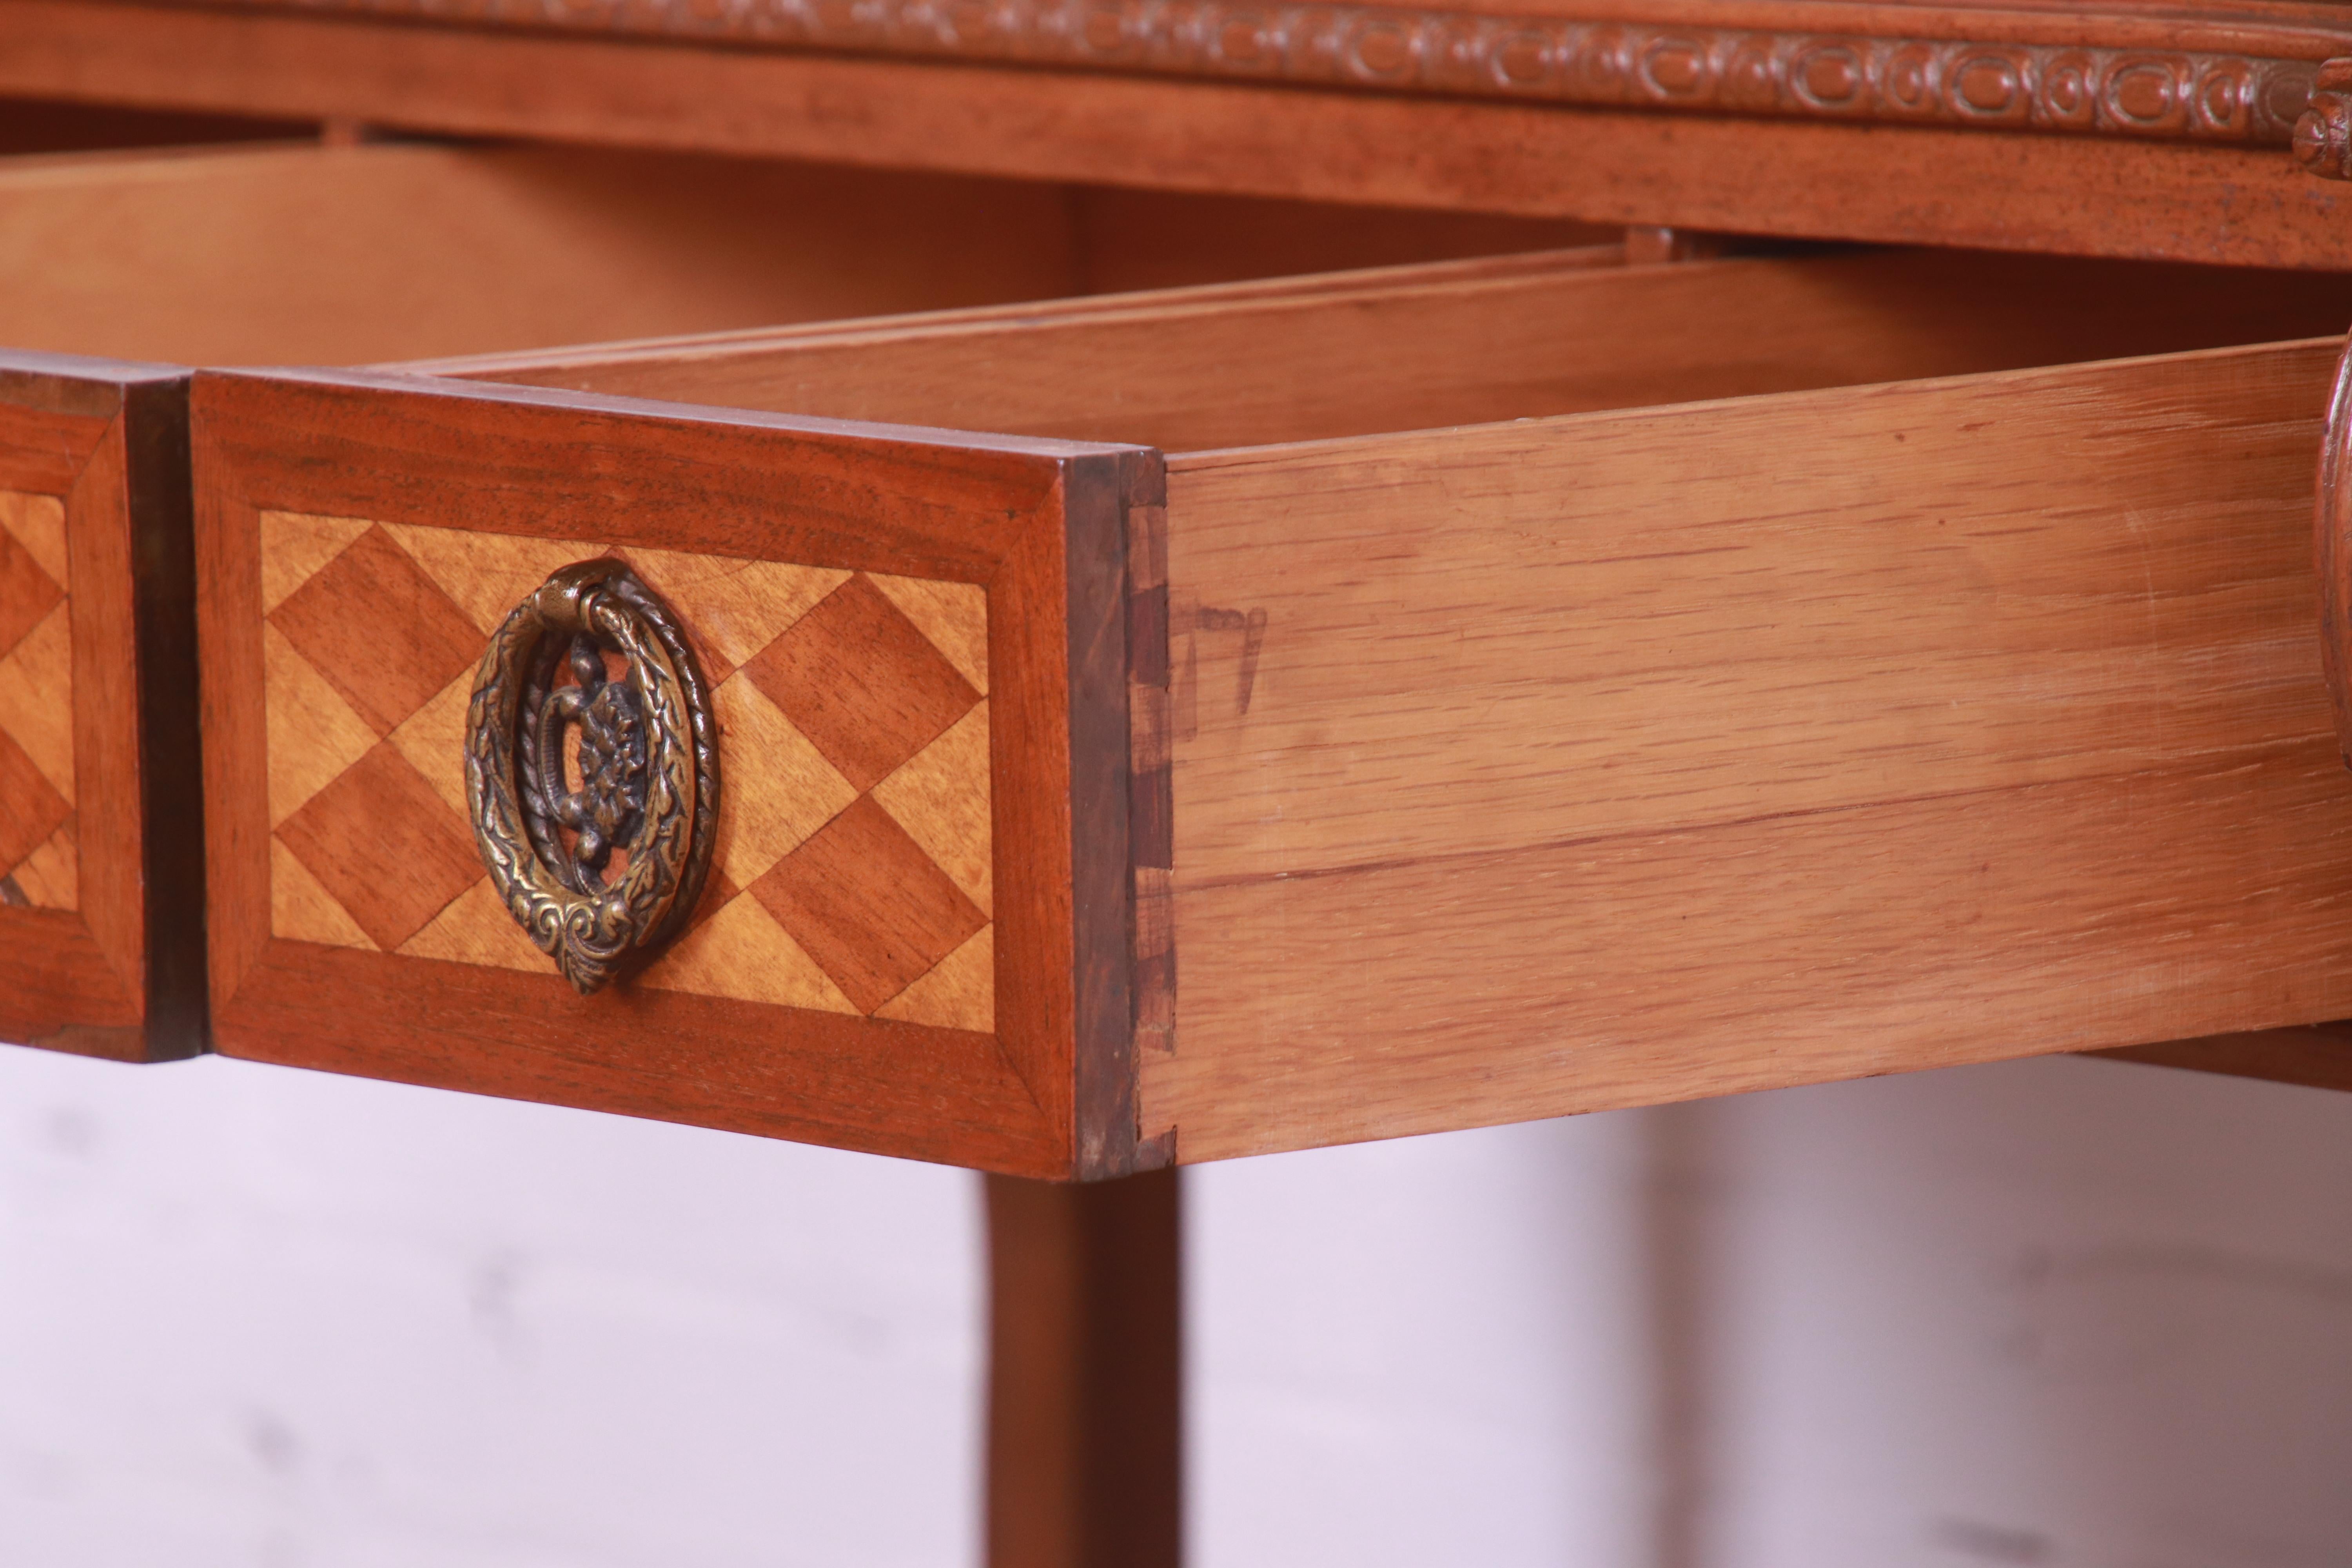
(916, 933)
(101, 931)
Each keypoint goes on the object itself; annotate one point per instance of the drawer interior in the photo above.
(301, 253)
(1470, 342)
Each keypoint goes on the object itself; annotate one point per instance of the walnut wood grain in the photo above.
(1416, 349)
(1039, 525)
(2123, 196)
(119, 973)
(1701, 750)
(2108, 70)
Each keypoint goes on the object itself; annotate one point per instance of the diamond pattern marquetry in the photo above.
(380, 632)
(852, 866)
(868, 905)
(38, 865)
(857, 678)
(381, 843)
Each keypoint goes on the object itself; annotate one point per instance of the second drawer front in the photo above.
(102, 934)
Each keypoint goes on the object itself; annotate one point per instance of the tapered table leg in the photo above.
(1085, 1373)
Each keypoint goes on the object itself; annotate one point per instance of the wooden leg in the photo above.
(1085, 1373)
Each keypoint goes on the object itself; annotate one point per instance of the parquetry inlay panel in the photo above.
(852, 866)
(37, 861)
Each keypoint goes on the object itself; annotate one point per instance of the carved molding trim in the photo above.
(1822, 76)
(2322, 137)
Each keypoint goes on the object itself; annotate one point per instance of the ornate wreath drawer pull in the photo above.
(647, 757)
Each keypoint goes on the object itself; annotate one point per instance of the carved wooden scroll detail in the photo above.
(2238, 98)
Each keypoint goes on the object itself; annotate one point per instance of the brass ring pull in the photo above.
(647, 760)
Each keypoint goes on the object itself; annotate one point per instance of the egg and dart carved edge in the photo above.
(1601, 54)
(649, 758)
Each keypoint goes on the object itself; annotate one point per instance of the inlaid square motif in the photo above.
(38, 863)
(852, 871)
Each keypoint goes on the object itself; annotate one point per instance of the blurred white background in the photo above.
(2057, 1313)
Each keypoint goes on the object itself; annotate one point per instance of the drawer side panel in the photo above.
(1616, 759)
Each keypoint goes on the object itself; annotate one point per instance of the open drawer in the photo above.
(1299, 718)
(303, 253)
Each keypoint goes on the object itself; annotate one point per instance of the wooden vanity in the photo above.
(1073, 588)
